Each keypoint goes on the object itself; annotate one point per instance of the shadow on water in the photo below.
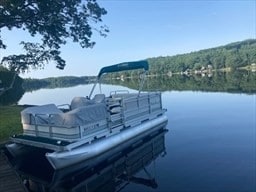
(111, 171)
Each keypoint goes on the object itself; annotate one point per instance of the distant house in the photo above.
(209, 66)
(253, 67)
(169, 73)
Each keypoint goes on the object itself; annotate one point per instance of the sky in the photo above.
(141, 29)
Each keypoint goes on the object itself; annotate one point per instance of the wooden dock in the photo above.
(9, 179)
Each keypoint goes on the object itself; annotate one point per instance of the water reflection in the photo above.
(233, 82)
(111, 171)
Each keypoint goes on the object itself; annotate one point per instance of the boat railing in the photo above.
(72, 125)
(120, 110)
(41, 118)
(130, 110)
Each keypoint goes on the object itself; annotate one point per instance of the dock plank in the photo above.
(9, 180)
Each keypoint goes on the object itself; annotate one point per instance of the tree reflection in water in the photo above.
(236, 82)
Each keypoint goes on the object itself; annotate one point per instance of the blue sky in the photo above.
(140, 29)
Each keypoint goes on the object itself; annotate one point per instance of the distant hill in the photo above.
(233, 55)
(54, 82)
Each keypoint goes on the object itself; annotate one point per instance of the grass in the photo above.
(10, 121)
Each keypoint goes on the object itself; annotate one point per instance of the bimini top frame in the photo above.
(122, 67)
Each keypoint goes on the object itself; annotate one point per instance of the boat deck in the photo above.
(41, 142)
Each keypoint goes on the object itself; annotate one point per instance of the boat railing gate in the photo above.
(133, 110)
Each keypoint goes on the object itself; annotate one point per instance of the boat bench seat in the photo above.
(38, 114)
(84, 101)
(80, 116)
(50, 115)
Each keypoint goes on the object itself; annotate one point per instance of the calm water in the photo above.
(210, 145)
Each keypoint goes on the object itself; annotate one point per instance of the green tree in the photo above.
(55, 22)
(233, 55)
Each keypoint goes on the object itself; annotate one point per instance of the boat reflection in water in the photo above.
(111, 171)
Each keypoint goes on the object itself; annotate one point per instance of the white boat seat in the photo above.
(80, 116)
(80, 102)
(83, 101)
(99, 98)
(37, 114)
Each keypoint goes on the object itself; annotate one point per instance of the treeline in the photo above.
(234, 82)
(234, 55)
(55, 82)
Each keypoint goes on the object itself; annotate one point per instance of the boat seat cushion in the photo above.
(38, 114)
(80, 116)
(99, 98)
(83, 101)
(80, 102)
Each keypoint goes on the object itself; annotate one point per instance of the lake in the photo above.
(210, 144)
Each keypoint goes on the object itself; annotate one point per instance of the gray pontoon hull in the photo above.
(64, 159)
